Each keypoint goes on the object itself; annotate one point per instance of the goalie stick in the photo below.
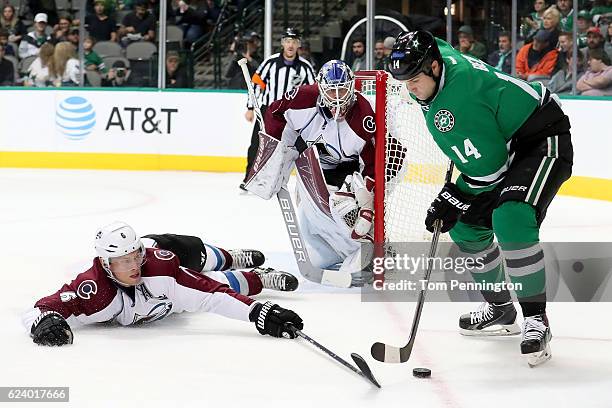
(307, 270)
(390, 354)
(364, 370)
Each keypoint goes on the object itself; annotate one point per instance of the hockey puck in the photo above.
(421, 372)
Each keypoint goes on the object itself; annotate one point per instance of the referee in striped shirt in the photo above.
(278, 74)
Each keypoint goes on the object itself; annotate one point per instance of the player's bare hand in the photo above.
(249, 115)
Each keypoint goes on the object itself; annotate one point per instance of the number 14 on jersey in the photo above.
(469, 150)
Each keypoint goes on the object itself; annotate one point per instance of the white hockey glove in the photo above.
(364, 195)
(272, 167)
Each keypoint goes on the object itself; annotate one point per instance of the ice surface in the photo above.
(47, 221)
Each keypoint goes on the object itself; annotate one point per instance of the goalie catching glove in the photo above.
(448, 206)
(271, 319)
(51, 329)
(353, 205)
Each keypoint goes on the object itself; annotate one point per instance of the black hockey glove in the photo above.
(272, 319)
(447, 207)
(51, 329)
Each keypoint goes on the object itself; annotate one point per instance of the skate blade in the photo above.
(495, 330)
(538, 358)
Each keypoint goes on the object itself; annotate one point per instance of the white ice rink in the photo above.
(47, 221)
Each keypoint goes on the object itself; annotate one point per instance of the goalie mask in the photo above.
(336, 84)
(116, 240)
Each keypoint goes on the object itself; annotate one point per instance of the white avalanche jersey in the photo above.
(166, 288)
(349, 139)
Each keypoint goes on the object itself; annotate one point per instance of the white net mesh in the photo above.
(414, 166)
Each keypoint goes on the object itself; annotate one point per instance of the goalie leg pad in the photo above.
(272, 167)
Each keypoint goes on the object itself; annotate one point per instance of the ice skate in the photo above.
(490, 319)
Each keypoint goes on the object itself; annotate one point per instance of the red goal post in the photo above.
(409, 166)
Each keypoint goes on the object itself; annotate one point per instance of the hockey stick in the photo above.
(390, 354)
(307, 270)
(364, 369)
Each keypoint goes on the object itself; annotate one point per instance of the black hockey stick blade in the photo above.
(390, 354)
(365, 369)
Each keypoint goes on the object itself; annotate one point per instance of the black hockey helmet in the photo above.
(291, 32)
(413, 53)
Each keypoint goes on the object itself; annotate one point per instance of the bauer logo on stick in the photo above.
(444, 120)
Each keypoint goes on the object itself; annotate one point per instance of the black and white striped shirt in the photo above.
(274, 77)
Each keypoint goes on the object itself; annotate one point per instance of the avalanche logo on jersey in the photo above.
(158, 312)
(369, 125)
(86, 289)
(289, 95)
(444, 120)
(163, 255)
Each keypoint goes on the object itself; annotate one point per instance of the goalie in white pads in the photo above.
(327, 130)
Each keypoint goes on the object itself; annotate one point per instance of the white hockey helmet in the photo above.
(336, 84)
(114, 240)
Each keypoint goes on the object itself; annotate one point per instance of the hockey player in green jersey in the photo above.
(511, 142)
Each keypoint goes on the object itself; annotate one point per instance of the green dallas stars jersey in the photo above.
(476, 112)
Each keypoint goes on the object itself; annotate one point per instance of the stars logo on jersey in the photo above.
(444, 120)
(415, 43)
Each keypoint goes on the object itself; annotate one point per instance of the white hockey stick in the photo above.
(307, 270)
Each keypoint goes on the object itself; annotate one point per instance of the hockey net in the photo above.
(410, 168)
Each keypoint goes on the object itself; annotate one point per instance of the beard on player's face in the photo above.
(423, 85)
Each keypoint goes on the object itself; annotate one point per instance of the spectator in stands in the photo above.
(233, 73)
(100, 26)
(73, 37)
(585, 21)
(533, 22)
(565, 48)
(46, 7)
(601, 7)
(468, 45)
(597, 81)
(566, 21)
(64, 69)
(537, 60)
(38, 72)
(253, 42)
(138, 25)
(304, 52)
(197, 19)
(379, 54)
(119, 75)
(13, 24)
(176, 75)
(389, 42)
(30, 44)
(4, 42)
(551, 19)
(153, 8)
(359, 61)
(594, 40)
(61, 29)
(7, 70)
(502, 58)
(561, 81)
(93, 62)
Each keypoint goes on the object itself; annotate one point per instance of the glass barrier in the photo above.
(566, 44)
